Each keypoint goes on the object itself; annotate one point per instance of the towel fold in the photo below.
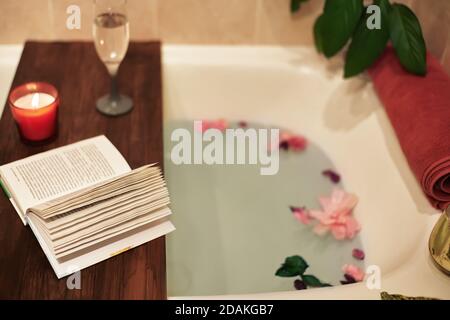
(419, 111)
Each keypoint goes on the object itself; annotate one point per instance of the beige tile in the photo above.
(25, 19)
(143, 16)
(207, 21)
(203, 21)
(434, 16)
(276, 24)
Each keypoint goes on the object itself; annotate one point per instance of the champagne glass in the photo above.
(111, 36)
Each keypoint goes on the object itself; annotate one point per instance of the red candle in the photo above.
(34, 106)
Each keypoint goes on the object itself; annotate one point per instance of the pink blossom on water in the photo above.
(301, 214)
(354, 272)
(291, 141)
(336, 215)
(219, 124)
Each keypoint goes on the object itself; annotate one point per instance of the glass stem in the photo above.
(114, 88)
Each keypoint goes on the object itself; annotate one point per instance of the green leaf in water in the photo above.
(313, 281)
(292, 266)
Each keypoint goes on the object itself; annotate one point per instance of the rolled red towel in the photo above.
(419, 111)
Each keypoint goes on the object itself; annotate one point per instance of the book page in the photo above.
(103, 250)
(75, 221)
(114, 231)
(98, 192)
(55, 173)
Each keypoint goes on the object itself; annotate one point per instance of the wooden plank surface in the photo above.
(80, 77)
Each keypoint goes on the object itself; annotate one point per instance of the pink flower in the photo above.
(301, 214)
(353, 271)
(219, 124)
(293, 142)
(336, 215)
(298, 143)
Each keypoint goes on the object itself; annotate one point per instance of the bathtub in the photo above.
(296, 88)
(344, 117)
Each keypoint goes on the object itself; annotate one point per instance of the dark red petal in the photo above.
(242, 124)
(296, 209)
(284, 145)
(349, 278)
(358, 254)
(299, 285)
(334, 177)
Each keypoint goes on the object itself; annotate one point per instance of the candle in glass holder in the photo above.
(34, 106)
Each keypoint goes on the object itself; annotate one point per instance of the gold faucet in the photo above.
(439, 243)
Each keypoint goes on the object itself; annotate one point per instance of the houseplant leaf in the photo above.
(318, 32)
(292, 266)
(367, 44)
(407, 39)
(296, 4)
(385, 7)
(335, 26)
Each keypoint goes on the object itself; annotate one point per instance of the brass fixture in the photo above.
(387, 296)
(439, 243)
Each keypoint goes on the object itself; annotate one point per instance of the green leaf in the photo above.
(312, 281)
(367, 44)
(385, 7)
(407, 39)
(335, 26)
(296, 4)
(292, 266)
(334, 5)
(318, 38)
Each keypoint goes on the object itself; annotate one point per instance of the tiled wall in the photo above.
(204, 21)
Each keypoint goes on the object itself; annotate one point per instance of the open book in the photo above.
(85, 204)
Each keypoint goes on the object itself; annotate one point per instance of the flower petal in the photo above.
(321, 216)
(298, 143)
(353, 271)
(336, 215)
(352, 227)
(292, 141)
(358, 254)
(338, 231)
(332, 175)
(301, 214)
(220, 124)
(321, 229)
(243, 124)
